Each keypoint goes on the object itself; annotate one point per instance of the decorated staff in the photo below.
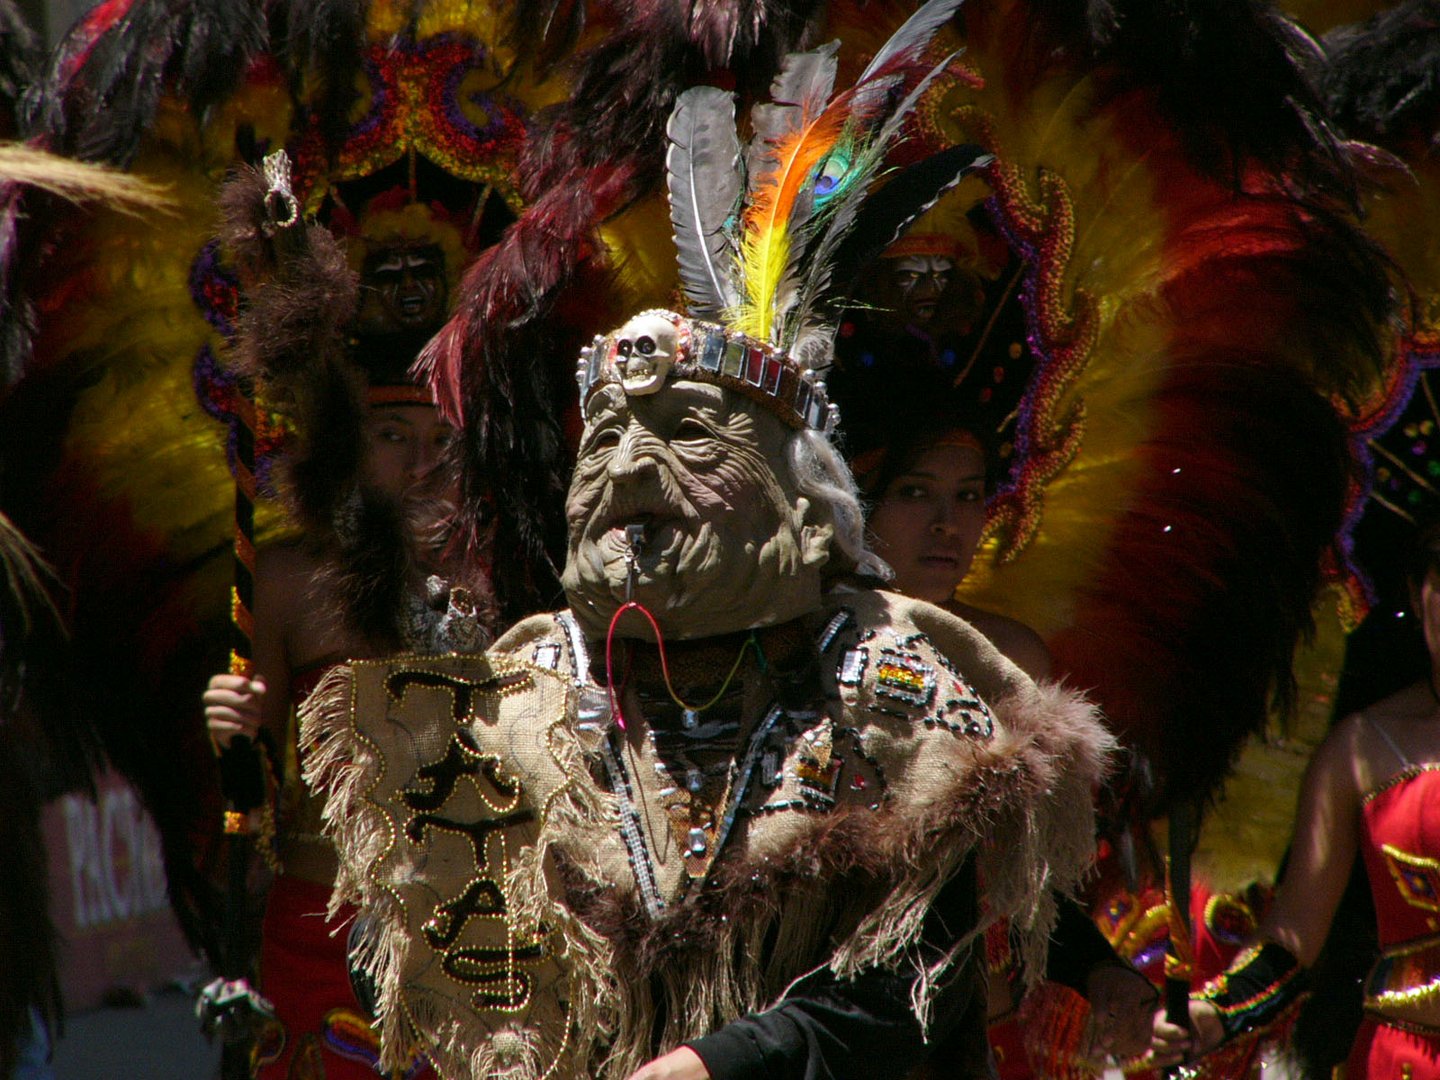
(229, 1004)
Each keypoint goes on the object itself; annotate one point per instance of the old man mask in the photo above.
(685, 495)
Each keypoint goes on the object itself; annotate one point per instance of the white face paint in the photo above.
(645, 352)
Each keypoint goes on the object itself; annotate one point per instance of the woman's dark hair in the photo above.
(897, 457)
(890, 417)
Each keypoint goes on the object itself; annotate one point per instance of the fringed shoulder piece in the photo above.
(1033, 767)
(438, 773)
(468, 786)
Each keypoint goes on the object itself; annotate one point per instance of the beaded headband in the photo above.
(657, 345)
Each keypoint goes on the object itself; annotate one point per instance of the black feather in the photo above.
(1235, 78)
(548, 30)
(1382, 76)
(324, 39)
(21, 59)
(888, 212)
(101, 91)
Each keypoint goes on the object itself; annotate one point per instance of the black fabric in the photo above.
(830, 1029)
(1259, 986)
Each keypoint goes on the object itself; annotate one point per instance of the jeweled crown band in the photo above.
(658, 345)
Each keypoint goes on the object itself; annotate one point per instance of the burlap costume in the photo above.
(549, 882)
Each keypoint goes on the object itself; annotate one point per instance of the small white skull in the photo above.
(644, 352)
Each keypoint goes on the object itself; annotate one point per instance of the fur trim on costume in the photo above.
(293, 342)
(847, 887)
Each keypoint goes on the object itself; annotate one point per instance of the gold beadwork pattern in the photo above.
(1406, 975)
(440, 794)
(1404, 775)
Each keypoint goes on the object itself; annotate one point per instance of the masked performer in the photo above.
(723, 815)
(365, 480)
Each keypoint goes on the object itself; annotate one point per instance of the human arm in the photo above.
(831, 1029)
(1322, 850)
(1121, 999)
(681, 1063)
(240, 705)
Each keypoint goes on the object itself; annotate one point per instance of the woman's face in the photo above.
(928, 521)
(403, 445)
(1425, 598)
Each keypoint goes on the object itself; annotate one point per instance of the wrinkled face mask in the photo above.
(689, 485)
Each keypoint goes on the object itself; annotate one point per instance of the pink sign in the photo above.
(107, 895)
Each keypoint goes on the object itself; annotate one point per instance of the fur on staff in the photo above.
(293, 341)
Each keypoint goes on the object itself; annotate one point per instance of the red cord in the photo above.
(609, 656)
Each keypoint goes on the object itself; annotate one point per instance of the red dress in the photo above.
(1400, 842)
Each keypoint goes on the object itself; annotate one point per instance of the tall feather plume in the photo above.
(769, 231)
(907, 43)
(585, 160)
(1382, 77)
(886, 213)
(705, 184)
(802, 87)
(1235, 78)
(820, 168)
(78, 182)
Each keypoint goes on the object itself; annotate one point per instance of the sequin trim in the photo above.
(1404, 775)
(1405, 975)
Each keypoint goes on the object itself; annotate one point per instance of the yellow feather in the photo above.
(640, 254)
(78, 181)
(765, 245)
(762, 264)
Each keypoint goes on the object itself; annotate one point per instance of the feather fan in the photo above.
(107, 76)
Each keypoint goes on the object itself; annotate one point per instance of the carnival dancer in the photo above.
(1370, 790)
(723, 816)
(799, 768)
(366, 482)
(1367, 794)
(926, 480)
